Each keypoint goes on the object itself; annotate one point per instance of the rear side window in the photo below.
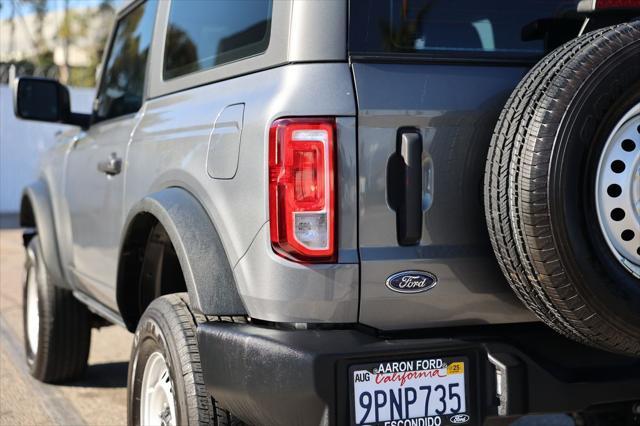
(484, 28)
(204, 34)
(122, 85)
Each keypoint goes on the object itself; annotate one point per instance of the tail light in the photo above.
(590, 6)
(301, 189)
(617, 4)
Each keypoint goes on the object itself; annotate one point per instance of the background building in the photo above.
(61, 39)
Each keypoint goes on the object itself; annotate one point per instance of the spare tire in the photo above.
(562, 189)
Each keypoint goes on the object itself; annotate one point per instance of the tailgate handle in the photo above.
(408, 200)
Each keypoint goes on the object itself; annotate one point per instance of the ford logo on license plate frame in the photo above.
(411, 282)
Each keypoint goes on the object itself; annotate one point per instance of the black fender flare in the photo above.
(207, 272)
(36, 212)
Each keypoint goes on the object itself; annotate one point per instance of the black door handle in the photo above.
(112, 166)
(409, 196)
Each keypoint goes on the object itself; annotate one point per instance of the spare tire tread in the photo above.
(551, 277)
(516, 182)
(500, 151)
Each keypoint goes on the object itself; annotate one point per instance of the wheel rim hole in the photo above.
(618, 166)
(614, 190)
(617, 214)
(628, 145)
(628, 235)
(638, 251)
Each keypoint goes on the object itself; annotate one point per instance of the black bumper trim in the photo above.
(299, 377)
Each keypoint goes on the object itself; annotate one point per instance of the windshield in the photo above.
(494, 28)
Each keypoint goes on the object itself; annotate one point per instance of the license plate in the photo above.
(415, 392)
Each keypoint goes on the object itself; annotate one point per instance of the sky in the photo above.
(24, 9)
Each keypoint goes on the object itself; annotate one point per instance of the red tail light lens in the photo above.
(617, 4)
(301, 189)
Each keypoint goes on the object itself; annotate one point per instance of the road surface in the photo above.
(99, 398)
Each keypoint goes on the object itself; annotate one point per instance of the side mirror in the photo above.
(44, 99)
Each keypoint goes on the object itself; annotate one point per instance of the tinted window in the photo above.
(461, 27)
(122, 86)
(203, 34)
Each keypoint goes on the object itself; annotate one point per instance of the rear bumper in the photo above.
(286, 377)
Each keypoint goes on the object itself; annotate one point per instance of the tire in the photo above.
(168, 327)
(540, 189)
(57, 327)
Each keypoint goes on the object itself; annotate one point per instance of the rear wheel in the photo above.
(166, 384)
(57, 327)
(562, 189)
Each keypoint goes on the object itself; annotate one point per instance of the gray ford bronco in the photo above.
(349, 212)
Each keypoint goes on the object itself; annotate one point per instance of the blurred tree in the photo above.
(40, 8)
(106, 6)
(65, 31)
(12, 27)
(43, 59)
(85, 29)
(104, 16)
(74, 26)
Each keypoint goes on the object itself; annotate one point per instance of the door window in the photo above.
(205, 34)
(122, 86)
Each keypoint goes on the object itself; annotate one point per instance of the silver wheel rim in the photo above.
(618, 191)
(33, 310)
(157, 404)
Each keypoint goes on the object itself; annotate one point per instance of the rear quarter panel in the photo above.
(170, 147)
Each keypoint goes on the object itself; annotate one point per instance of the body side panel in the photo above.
(95, 201)
(51, 210)
(274, 289)
(170, 146)
(318, 31)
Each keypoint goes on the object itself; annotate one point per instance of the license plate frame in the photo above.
(466, 417)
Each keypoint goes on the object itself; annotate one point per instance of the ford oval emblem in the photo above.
(411, 281)
(459, 419)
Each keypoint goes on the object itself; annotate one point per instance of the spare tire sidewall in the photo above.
(602, 100)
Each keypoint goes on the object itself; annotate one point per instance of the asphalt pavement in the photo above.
(99, 398)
